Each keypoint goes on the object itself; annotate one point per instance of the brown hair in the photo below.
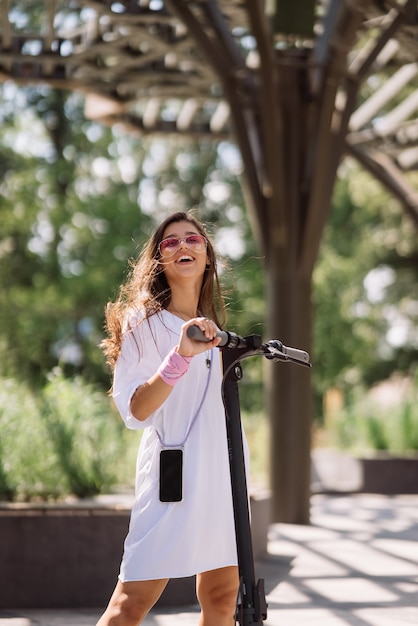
(147, 289)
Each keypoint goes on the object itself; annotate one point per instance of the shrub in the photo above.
(28, 463)
(366, 426)
(64, 440)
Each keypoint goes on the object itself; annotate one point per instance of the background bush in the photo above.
(366, 426)
(64, 439)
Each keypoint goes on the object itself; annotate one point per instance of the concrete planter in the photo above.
(334, 471)
(68, 555)
(389, 475)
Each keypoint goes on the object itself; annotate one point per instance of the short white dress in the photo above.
(176, 539)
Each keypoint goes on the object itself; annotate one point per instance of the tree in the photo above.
(78, 201)
(365, 289)
(59, 230)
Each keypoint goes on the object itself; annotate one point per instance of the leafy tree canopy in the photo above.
(78, 200)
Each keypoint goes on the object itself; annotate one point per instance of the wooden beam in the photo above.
(389, 28)
(328, 137)
(227, 60)
(382, 96)
(294, 18)
(269, 216)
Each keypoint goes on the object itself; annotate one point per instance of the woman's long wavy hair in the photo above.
(147, 289)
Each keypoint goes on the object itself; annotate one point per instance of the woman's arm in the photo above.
(152, 394)
(149, 397)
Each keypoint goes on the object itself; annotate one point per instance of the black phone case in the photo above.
(171, 475)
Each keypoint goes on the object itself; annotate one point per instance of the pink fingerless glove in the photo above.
(173, 367)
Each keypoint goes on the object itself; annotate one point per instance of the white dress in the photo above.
(176, 539)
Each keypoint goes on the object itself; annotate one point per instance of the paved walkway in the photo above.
(356, 565)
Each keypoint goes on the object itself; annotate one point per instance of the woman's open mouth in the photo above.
(185, 258)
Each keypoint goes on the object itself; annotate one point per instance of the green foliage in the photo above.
(339, 341)
(69, 223)
(366, 426)
(62, 440)
(82, 431)
(27, 458)
(365, 290)
(77, 209)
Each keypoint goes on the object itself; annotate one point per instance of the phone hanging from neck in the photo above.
(171, 455)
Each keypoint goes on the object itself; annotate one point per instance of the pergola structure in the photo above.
(297, 84)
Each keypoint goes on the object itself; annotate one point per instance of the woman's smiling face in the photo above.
(189, 260)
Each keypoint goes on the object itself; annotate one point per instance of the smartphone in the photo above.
(171, 475)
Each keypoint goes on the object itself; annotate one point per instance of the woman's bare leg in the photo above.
(217, 592)
(131, 602)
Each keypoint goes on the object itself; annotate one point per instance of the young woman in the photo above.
(170, 385)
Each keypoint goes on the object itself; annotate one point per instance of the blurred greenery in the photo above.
(367, 425)
(63, 439)
(365, 291)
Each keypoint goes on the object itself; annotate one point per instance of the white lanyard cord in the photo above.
(180, 445)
